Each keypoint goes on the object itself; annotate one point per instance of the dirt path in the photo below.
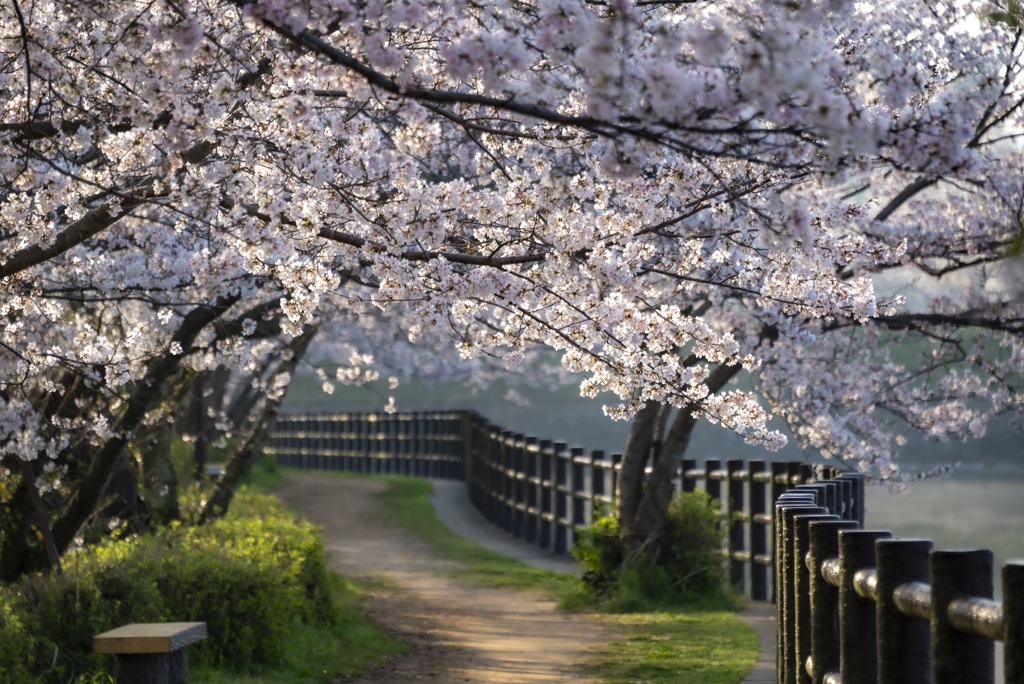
(458, 633)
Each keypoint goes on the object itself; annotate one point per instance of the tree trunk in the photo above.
(242, 459)
(634, 461)
(144, 396)
(641, 523)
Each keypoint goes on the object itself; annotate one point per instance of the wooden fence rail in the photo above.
(541, 491)
(857, 607)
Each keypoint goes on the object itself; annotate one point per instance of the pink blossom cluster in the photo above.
(651, 189)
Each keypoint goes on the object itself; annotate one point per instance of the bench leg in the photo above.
(178, 667)
(153, 668)
(143, 668)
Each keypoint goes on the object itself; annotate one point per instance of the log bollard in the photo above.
(957, 656)
(733, 504)
(858, 656)
(789, 505)
(1013, 622)
(758, 532)
(802, 589)
(824, 546)
(904, 652)
(151, 653)
(788, 500)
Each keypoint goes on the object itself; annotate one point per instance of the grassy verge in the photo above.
(676, 647)
(314, 654)
(408, 505)
(662, 647)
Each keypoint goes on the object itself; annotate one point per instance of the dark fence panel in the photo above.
(859, 607)
(545, 492)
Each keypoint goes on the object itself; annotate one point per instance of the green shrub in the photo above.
(255, 578)
(687, 571)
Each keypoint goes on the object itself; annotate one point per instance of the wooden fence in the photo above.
(542, 491)
(856, 606)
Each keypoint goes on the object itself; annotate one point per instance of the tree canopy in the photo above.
(668, 193)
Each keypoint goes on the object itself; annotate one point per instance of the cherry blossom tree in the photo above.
(669, 194)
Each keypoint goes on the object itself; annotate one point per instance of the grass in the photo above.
(676, 646)
(408, 505)
(317, 655)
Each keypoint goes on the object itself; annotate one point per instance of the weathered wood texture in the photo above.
(160, 637)
(858, 657)
(542, 491)
(151, 653)
(824, 546)
(152, 668)
(878, 610)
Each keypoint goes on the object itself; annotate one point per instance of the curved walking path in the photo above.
(453, 506)
(458, 633)
(461, 633)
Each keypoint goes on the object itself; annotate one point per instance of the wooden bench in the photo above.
(151, 653)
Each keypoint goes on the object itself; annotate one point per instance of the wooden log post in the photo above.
(579, 469)
(904, 643)
(957, 656)
(151, 653)
(518, 487)
(758, 531)
(780, 479)
(858, 655)
(824, 546)
(734, 505)
(507, 481)
(563, 497)
(803, 623)
(547, 498)
(712, 485)
(614, 481)
(1013, 622)
(787, 506)
(532, 482)
(495, 480)
(687, 482)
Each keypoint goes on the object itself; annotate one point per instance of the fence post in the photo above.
(600, 475)
(508, 482)
(616, 466)
(780, 479)
(824, 538)
(519, 487)
(495, 475)
(858, 656)
(713, 487)
(531, 454)
(466, 432)
(758, 532)
(904, 648)
(546, 455)
(802, 589)
(688, 484)
(734, 504)
(956, 656)
(578, 484)
(563, 495)
(778, 487)
(1013, 622)
(786, 507)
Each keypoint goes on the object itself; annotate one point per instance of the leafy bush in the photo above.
(688, 569)
(255, 578)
